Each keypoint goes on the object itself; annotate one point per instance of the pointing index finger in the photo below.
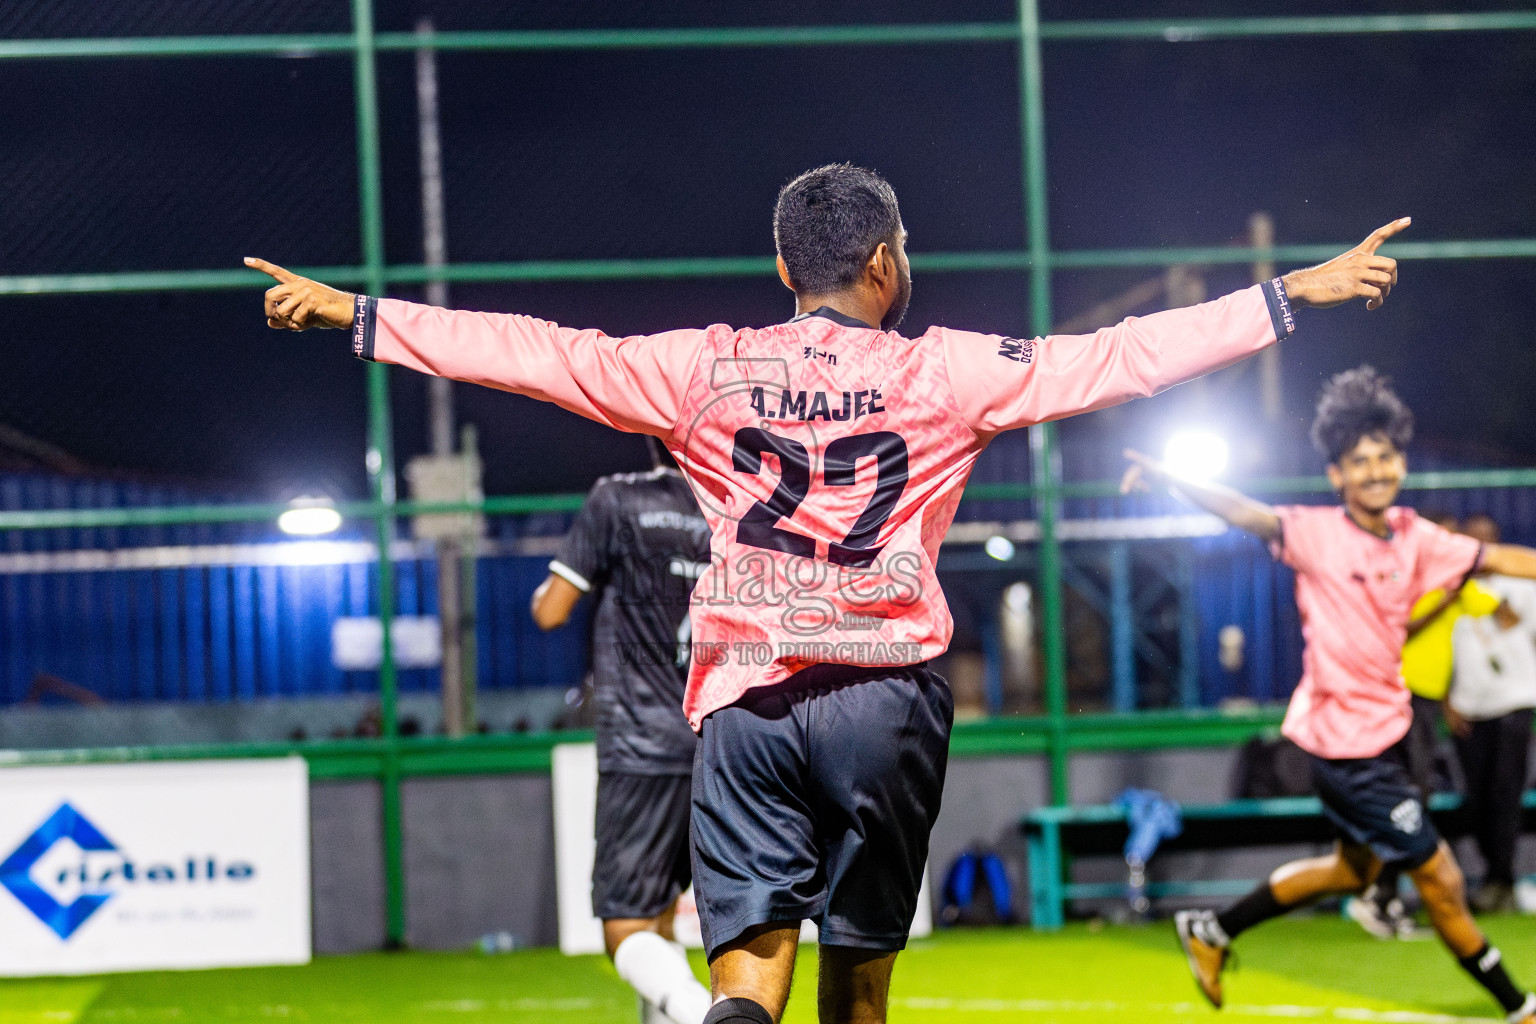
(1381, 234)
(270, 269)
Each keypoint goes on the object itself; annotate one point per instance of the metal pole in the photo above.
(434, 245)
(469, 599)
(1122, 628)
(1189, 631)
(1045, 460)
(434, 227)
(1261, 235)
(381, 459)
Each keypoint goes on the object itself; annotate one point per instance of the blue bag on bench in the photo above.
(973, 870)
(1152, 818)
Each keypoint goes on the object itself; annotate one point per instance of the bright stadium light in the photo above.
(999, 547)
(1196, 455)
(310, 517)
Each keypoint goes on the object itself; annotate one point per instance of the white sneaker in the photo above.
(1371, 916)
(1205, 947)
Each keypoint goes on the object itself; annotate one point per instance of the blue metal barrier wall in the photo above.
(240, 627)
(235, 628)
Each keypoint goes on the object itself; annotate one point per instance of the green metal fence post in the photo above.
(381, 461)
(1045, 461)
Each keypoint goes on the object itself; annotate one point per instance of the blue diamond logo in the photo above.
(16, 871)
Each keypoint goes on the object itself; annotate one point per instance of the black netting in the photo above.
(191, 163)
(401, 15)
(1172, 145)
(188, 387)
(45, 19)
(176, 164)
(662, 153)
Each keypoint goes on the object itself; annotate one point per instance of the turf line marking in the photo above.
(1351, 1013)
(570, 1005)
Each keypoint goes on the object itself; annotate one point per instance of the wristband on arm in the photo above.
(364, 308)
(1281, 312)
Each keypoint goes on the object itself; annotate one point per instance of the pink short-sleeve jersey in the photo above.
(827, 455)
(1355, 591)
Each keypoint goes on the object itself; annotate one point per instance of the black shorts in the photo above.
(642, 844)
(1374, 802)
(814, 799)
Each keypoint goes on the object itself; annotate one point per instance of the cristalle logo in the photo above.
(67, 869)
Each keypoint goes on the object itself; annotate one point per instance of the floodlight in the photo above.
(999, 547)
(309, 517)
(1196, 455)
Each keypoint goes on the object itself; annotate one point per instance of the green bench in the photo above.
(1052, 833)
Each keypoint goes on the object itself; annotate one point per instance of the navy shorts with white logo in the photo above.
(814, 800)
(642, 844)
(1373, 802)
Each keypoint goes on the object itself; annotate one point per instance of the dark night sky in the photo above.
(126, 165)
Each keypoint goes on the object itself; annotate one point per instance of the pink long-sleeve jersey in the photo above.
(827, 455)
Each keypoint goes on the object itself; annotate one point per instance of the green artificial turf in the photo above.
(1316, 968)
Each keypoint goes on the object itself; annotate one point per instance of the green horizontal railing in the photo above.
(472, 755)
(524, 504)
(1149, 29)
(686, 268)
(1186, 30)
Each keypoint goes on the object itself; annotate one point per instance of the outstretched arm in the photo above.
(1005, 383)
(1238, 509)
(1509, 560)
(1356, 274)
(296, 303)
(635, 383)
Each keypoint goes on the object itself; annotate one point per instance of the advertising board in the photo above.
(154, 866)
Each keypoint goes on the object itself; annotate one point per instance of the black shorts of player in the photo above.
(814, 799)
(1374, 802)
(642, 844)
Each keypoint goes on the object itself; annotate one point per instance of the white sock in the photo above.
(649, 1014)
(659, 971)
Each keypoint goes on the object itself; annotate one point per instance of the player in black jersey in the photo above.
(637, 545)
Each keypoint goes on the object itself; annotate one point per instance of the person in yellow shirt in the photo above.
(1428, 661)
(1427, 656)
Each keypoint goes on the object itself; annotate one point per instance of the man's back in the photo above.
(828, 457)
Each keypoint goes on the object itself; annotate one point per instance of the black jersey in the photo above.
(637, 545)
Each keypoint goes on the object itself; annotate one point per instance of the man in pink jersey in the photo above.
(828, 454)
(1360, 566)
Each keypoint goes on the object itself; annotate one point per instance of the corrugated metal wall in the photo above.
(232, 632)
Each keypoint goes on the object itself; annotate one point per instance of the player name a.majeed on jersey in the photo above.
(793, 405)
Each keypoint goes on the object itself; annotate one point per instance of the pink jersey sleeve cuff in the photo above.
(364, 314)
(1281, 313)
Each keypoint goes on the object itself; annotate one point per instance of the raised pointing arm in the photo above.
(1509, 560)
(1239, 510)
(1005, 383)
(633, 383)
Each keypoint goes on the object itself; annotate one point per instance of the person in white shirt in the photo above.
(1489, 710)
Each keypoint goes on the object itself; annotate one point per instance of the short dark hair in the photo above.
(828, 221)
(1359, 403)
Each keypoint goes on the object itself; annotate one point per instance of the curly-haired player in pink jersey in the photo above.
(1360, 566)
(828, 454)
